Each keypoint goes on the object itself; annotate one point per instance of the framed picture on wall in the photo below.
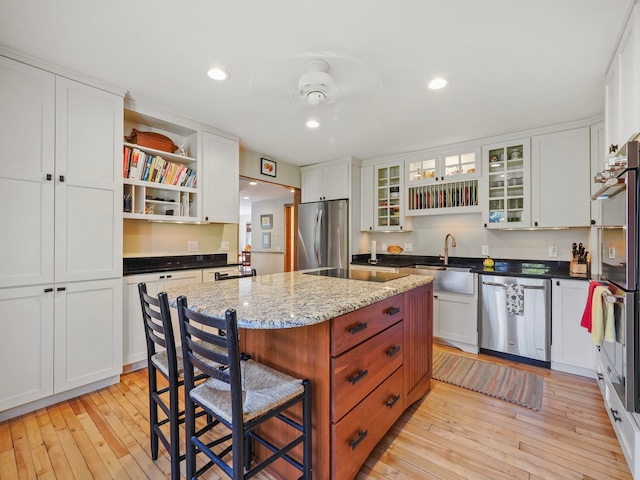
(266, 240)
(267, 167)
(266, 222)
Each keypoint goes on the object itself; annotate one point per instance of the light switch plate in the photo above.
(192, 246)
(224, 246)
(485, 249)
(553, 251)
(408, 247)
(383, 246)
(612, 253)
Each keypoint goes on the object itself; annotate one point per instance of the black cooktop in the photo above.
(367, 275)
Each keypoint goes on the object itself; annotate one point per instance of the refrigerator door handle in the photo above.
(318, 233)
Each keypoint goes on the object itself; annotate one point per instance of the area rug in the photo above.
(506, 383)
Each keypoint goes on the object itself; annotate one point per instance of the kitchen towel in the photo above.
(602, 318)
(586, 315)
(515, 299)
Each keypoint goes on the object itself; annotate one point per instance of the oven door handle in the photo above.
(611, 298)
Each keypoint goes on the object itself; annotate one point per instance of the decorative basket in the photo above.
(153, 140)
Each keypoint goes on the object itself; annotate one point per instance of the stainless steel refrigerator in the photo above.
(323, 234)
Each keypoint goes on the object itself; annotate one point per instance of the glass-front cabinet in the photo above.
(443, 166)
(390, 205)
(507, 181)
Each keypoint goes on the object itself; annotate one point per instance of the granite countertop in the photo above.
(293, 299)
(135, 265)
(504, 267)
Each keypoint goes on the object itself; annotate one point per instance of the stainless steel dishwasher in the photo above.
(515, 317)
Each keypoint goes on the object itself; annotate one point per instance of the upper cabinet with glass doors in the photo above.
(507, 183)
(443, 166)
(390, 197)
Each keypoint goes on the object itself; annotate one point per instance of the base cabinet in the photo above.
(68, 335)
(455, 320)
(572, 349)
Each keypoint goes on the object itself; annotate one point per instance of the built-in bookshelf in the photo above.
(160, 185)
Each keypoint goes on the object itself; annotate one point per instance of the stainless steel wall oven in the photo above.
(620, 272)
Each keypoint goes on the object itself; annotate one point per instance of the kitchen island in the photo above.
(365, 346)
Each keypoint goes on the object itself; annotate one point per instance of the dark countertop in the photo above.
(135, 265)
(504, 267)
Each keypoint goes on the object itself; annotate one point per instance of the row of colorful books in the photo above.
(139, 165)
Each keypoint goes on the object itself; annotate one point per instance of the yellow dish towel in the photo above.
(602, 322)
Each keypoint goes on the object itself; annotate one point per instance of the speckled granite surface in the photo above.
(286, 300)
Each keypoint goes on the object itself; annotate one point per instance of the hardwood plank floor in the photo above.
(451, 434)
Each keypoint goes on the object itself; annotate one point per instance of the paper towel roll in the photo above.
(373, 249)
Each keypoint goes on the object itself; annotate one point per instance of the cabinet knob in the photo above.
(61, 178)
(558, 282)
(613, 148)
(535, 224)
(49, 177)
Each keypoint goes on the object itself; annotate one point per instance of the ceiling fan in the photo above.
(316, 86)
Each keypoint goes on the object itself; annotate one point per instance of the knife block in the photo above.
(575, 267)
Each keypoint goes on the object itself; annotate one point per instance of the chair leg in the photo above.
(306, 422)
(174, 432)
(153, 411)
(190, 428)
(247, 452)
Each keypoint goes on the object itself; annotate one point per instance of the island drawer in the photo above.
(355, 436)
(355, 327)
(360, 370)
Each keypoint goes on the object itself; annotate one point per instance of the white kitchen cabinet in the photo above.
(88, 333)
(134, 342)
(455, 319)
(507, 184)
(60, 181)
(572, 349)
(26, 345)
(220, 178)
(366, 207)
(390, 204)
(329, 181)
(622, 93)
(560, 179)
(451, 165)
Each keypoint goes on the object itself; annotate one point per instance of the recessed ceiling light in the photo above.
(253, 183)
(437, 83)
(313, 124)
(218, 74)
(245, 198)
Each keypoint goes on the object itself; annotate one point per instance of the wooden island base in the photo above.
(365, 367)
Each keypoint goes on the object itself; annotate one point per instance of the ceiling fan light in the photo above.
(437, 83)
(316, 97)
(218, 74)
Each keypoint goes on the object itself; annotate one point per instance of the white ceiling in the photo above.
(513, 65)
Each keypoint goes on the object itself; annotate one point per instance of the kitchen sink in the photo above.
(447, 279)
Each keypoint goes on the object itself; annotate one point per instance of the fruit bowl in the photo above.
(394, 249)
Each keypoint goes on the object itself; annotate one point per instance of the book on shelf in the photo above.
(135, 162)
(126, 162)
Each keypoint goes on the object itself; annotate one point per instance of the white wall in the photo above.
(268, 260)
(286, 173)
(429, 232)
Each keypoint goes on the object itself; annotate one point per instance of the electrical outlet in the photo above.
(224, 246)
(383, 246)
(408, 247)
(485, 249)
(612, 253)
(192, 246)
(553, 250)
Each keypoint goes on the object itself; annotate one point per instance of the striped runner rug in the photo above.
(505, 383)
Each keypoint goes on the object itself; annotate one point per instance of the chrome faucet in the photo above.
(446, 246)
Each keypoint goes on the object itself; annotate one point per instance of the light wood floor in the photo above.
(451, 434)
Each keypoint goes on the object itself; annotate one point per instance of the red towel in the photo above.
(586, 315)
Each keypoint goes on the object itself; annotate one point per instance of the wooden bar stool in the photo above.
(240, 396)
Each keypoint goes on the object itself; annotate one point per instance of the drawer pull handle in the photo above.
(361, 436)
(361, 374)
(615, 415)
(358, 328)
(61, 289)
(49, 289)
(393, 350)
(393, 401)
(600, 376)
(393, 310)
